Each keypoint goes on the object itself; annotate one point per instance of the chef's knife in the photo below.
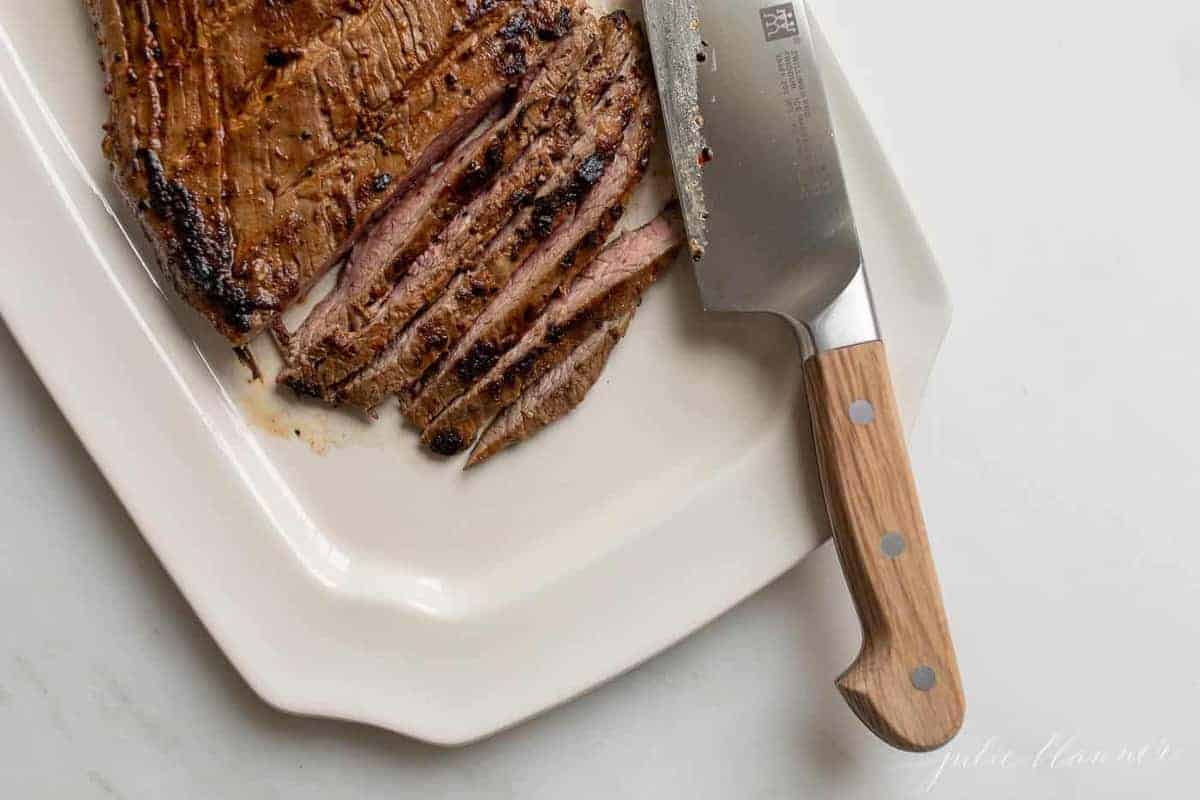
(770, 229)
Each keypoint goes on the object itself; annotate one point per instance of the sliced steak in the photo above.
(556, 393)
(410, 226)
(370, 267)
(427, 275)
(463, 240)
(571, 247)
(257, 140)
(441, 325)
(609, 287)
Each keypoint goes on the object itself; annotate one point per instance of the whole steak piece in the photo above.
(257, 139)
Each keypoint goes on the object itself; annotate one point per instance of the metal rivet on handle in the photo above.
(923, 677)
(862, 412)
(892, 544)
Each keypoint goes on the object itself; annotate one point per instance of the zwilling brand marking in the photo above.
(778, 22)
(812, 168)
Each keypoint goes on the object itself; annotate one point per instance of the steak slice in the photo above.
(410, 225)
(607, 288)
(571, 247)
(556, 393)
(252, 177)
(443, 323)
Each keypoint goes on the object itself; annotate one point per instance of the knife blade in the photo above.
(771, 230)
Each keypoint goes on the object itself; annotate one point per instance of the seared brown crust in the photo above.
(556, 393)
(567, 252)
(441, 325)
(610, 286)
(257, 139)
(327, 348)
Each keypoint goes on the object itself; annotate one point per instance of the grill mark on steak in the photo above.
(441, 325)
(571, 248)
(165, 74)
(609, 287)
(409, 227)
(204, 253)
(555, 394)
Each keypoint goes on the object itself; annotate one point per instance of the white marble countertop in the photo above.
(1050, 151)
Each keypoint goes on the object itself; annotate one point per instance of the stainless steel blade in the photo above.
(756, 164)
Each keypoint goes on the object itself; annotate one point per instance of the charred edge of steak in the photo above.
(481, 358)
(305, 388)
(545, 29)
(480, 171)
(512, 63)
(278, 58)
(512, 60)
(447, 443)
(203, 258)
(381, 182)
(558, 28)
(546, 211)
(476, 10)
(518, 25)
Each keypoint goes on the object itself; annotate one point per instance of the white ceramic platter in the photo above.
(346, 574)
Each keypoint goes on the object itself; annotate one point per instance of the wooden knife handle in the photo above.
(904, 685)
